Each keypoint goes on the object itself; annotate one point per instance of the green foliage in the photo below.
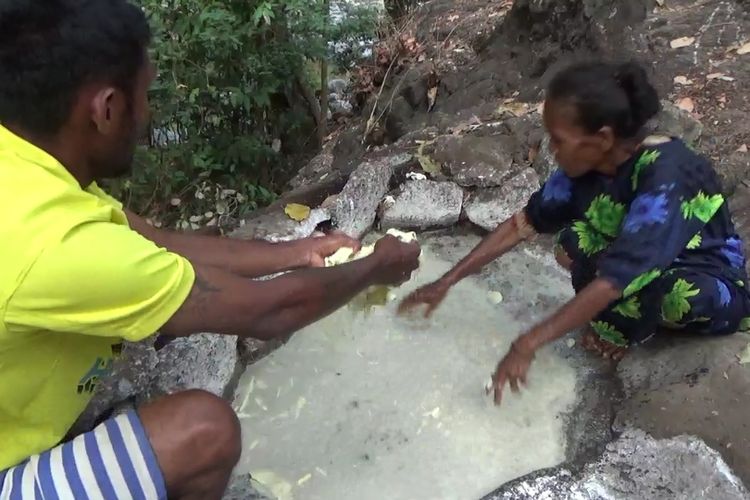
(226, 101)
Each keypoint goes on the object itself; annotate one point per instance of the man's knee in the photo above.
(562, 258)
(193, 427)
(212, 425)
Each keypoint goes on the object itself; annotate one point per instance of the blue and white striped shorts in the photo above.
(115, 461)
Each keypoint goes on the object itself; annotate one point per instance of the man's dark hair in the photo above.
(618, 95)
(49, 49)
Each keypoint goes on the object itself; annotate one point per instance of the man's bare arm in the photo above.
(221, 302)
(249, 258)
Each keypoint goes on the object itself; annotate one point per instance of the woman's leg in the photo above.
(701, 303)
(681, 300)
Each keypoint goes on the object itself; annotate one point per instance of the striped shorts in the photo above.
(113, 462)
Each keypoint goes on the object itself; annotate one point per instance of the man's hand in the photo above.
(430, 295)
(511, 369)
(396, 260)
(317, 248)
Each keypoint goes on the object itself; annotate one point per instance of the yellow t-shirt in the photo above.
(74, 281)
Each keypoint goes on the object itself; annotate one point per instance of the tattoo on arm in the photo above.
(203, 284)
(200, 297)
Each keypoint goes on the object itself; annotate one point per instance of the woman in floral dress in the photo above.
(641, 222)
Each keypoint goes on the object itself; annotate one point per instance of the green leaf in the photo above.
(745, 324)
(590, 241)
(428, 164)
(606, 215)
(630, 308)
(675, 304)
(640, 282)
(702, 207)
(695, 242)
(609, 333)
(647, 158)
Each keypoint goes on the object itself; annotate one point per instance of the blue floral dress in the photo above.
(661, 231)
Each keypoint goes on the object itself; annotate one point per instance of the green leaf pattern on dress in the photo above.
(675, 304)
(702, 207)
(648, 157)
(640, 282)
(606, 215)
(590, 241)
(609, 333)
(695, 242)
(630, 308)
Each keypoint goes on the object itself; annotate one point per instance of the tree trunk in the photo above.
(323, 118)
(397, 9)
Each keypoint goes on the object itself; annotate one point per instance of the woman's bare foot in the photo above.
(593, 343)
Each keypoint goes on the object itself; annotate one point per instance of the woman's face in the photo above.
(576, 151)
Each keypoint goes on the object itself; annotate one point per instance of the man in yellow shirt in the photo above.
(79, 274)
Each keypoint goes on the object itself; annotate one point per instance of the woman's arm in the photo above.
(577, 313)
(506, 236)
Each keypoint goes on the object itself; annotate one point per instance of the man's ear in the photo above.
(606, 137)
(104, 109)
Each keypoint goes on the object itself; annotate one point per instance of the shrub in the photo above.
(231, 101)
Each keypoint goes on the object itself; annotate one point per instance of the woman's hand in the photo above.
(430, 295)
(512, 369)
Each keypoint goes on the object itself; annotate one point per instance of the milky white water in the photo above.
(374, 406)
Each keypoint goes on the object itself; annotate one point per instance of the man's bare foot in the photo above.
(593, 343)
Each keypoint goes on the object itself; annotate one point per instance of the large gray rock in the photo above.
(682, 385)
(338, 86)
(676, 122)
(129, 380)
(320, 166)
(477, 161)
(204, 361)
(424, 204)
(340, 106)
(637, 466)
(489, 207)
(354, 209)
(544, 163)
(274, 225)
(243, 487)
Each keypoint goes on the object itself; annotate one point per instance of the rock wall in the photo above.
(636, 466)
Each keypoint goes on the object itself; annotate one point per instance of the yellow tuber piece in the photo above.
(375, 295)
(346, 254)
(297, 212)
(276, 485)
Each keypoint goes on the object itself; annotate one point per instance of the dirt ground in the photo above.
(473, 55)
